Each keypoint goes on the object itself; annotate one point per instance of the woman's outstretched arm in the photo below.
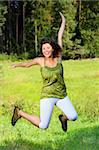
(61, 30)
(35, 61)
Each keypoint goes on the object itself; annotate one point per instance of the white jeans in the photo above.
(46, 108)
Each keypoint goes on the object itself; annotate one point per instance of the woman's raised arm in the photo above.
(61, 30)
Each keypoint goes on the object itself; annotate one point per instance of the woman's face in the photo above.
(47, 50)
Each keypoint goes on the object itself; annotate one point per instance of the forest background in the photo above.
(24, 23)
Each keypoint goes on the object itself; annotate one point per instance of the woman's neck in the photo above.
(51, 62)
(49, 59)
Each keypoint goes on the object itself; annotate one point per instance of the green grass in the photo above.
(22, 86)
(24, 136)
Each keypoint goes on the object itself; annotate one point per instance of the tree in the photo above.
(23, 24)
(90, 28)
(3, 11)
(38, 24)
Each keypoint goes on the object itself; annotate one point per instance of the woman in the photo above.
(54, 89)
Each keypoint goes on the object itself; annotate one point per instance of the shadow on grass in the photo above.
(82, 139)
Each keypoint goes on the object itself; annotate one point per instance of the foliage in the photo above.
(42, 20)
(3, 11)
(14, 57)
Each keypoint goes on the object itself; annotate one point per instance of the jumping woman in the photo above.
(54, 89)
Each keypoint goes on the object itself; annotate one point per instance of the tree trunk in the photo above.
(36, 37)
(24, 36)
(9, 37)
(17, 28)
(79, 10)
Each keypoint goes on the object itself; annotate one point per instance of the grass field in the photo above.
(22, 86)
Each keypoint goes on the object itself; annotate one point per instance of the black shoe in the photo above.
(63, 121)
(15, 116)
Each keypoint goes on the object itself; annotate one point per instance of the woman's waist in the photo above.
(53, 88)
(47, 93)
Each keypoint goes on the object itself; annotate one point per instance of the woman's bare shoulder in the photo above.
(40, 61)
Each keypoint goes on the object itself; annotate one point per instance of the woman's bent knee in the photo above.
(73, 117)
(43, 125)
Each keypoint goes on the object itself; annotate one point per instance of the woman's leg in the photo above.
(70, 113)
(31, 118)
(17, 114)
(46, 109)
(66, 106)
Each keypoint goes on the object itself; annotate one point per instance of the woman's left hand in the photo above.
(62, 16)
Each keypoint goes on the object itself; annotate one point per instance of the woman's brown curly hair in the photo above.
(57, 49)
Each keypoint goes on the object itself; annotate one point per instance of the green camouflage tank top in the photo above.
(53, 82)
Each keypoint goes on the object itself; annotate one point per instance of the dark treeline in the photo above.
(24, 23)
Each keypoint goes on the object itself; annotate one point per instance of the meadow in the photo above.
(22, 86)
